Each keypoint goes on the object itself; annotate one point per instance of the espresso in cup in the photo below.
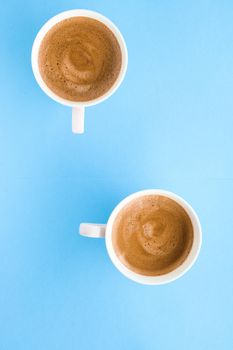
(80, 59)
(152, 235)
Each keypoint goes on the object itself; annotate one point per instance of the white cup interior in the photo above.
(58, 18)
(180, 270)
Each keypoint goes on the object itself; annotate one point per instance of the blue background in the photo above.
(168, 126)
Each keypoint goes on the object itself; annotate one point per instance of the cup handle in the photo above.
(78, 120)
(92, 230)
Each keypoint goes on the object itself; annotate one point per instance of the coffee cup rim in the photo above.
(180, 270)
(58, 18)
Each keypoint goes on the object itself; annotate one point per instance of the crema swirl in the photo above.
(152, 235)
(79, 59)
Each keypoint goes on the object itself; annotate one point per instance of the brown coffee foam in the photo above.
(80, 59)
(152, 235)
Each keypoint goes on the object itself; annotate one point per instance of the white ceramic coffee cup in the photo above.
(78, 107)
(100, 230)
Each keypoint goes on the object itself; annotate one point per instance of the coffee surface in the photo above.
(79, 59)
(152, 235)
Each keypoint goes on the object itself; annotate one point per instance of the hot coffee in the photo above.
(152, 235)
(80, 59)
